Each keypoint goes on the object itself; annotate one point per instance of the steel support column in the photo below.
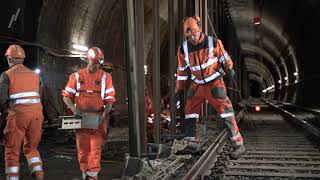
(172, 66)
(139, 21)
(136, 104)
(156, 68)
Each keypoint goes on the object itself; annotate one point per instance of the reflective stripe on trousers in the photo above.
(26, 101)
(12, 169)
(24, 94)
(35, 164)
(12, 178)
(12, 173)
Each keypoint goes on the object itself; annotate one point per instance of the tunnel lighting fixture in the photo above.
(286, 78)
(279, 81)
(37, 71)
(296, 81)
(80, 47)
(295, 74)
(264, 90)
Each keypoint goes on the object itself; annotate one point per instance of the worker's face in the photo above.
(194, 38)
(11, 61)
(92, 67)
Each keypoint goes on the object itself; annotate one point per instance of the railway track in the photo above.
(276, 149)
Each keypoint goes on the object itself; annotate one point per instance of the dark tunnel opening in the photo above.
(255, 89)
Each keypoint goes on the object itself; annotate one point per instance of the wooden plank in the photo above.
(299, 139)
(284, 157)
(276, 143)
(278, 146)
(275, 168)
(247, 161)
(269, 174)
(283, 149)
(283, 153)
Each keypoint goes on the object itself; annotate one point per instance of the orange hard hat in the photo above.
(191, 25)
(15, 51)
(95, 55)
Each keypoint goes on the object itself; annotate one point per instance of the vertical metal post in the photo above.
(205, 16)
(181, 15)
(196, 8)
(172, 66)
(139, 33)
(156, 68)
(132, 89)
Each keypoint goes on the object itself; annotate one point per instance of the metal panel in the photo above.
(132, 79)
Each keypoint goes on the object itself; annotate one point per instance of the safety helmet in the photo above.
(107, 66)
(15, 51)
(95, 55)
(191, 25)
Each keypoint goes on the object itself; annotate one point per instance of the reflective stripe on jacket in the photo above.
(24, 90)
(203, 61)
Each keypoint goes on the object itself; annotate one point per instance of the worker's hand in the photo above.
(77, 113)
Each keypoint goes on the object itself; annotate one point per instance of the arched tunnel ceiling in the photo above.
(255, 77)
(255, 66)
(249, 48)
(276, 44)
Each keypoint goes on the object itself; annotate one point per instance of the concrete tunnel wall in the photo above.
(98, 23)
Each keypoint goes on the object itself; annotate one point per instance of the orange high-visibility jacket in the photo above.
(203, 61)
(24, 90)
(90, 90)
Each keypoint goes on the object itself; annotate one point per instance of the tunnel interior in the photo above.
(273, 45)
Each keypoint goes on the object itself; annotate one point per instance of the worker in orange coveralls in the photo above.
(205, 59)
(20, 90)
(93, 92)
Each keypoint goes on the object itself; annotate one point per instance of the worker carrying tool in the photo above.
(20, 90)
(205, 60)
(93, 93)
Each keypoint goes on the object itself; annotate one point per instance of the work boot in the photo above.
(190, 127)
(237, 152)
(38, 175)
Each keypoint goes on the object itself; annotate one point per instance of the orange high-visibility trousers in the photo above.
(216, 94)
(23, 128)
(90, 143)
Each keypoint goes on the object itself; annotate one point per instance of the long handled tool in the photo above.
(233, 80)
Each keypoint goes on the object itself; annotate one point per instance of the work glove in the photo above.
(77, 113)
